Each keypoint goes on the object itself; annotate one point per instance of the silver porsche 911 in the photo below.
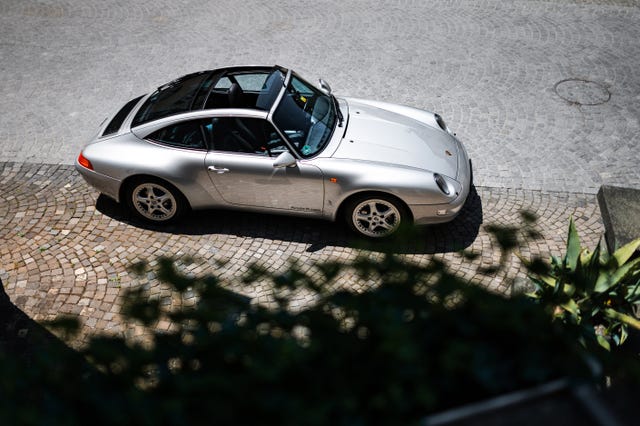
(262, 138)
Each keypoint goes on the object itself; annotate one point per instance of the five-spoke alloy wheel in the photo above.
(375, 217)
(155, 201)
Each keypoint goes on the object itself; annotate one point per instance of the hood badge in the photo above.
(448, 153)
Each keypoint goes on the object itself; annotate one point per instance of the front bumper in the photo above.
(426, 214)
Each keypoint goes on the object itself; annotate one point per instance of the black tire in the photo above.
(375, 215)
(154, 200)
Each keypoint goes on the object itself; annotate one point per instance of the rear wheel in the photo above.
(375, 216)
(155, 201)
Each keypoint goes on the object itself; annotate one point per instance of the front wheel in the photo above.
(375, 216)
(155, 201)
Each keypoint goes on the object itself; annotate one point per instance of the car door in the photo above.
(241, 167)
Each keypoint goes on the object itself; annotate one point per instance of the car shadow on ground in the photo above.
(429, 239)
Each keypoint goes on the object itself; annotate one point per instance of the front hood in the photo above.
(377, 134)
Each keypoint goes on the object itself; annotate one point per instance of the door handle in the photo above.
(217, 170)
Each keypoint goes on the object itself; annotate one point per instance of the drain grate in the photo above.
(582, 92)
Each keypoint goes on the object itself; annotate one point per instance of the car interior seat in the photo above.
(236, 96)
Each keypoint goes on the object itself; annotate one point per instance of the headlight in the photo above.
(442, 184)
(441, 123)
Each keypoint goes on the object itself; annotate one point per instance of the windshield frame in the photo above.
(332, 122)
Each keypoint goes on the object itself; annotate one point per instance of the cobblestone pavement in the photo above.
(545, 94)
(67, 251)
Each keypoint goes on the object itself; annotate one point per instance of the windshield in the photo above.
(306, 116)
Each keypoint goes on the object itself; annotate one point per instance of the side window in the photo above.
(188, 134)
(251, 82)
(223, 83)
(300, 87)
(246, 135)
(248, 82)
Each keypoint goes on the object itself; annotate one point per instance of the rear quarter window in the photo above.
(187, 134)
(174, 97)
(116, 122)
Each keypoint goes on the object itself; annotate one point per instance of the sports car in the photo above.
(262, 138)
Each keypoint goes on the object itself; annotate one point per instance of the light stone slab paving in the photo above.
(491, 68)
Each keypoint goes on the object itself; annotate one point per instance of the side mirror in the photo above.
(284, 160)
(324, 86)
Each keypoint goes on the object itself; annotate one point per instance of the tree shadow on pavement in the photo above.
(427, 239)
(39, 374)
(19, 334)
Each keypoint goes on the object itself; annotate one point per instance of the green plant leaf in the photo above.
(632, 294)
(586, 256)
(569, 290)
(627, 319)
(603, 342)
(572, 307)
(558, 288)
(550, 281)
(605, 257)
(625, 252)
(573, 247)
(623, 334)
(592, 269)
(606, 280)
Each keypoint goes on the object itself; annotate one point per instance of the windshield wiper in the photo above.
(337, 106)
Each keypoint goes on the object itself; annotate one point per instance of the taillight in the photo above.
(84, 162)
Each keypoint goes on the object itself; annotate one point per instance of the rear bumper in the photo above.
(104, 184)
